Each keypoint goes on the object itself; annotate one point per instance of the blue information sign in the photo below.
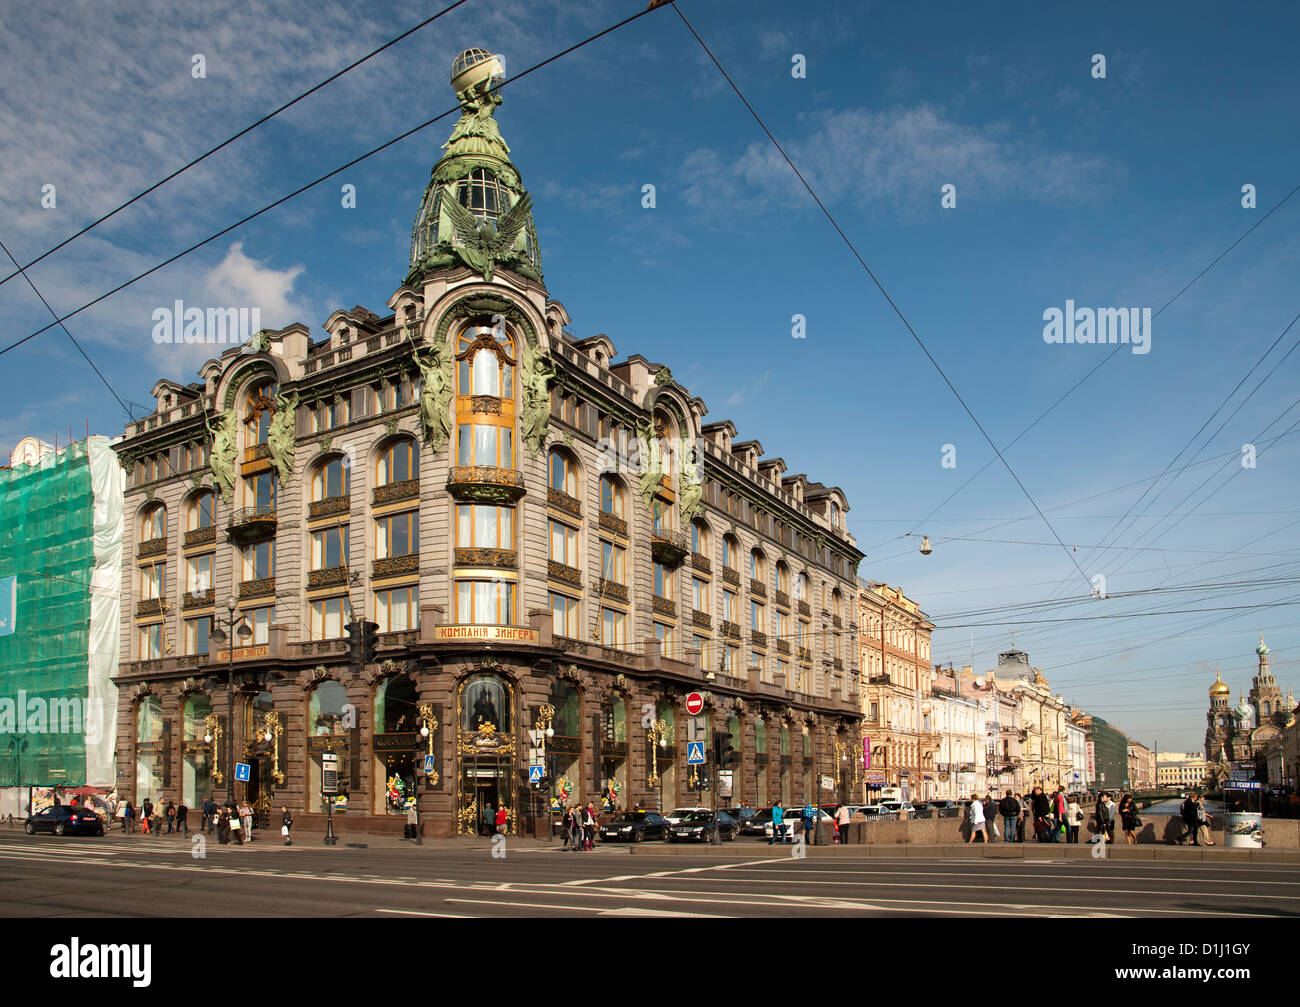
(242, 772)
(534, 774)
(694, 753)
(428, 763)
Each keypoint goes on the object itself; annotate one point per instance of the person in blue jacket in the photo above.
(778, 823)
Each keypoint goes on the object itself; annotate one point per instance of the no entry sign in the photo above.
(694, 703)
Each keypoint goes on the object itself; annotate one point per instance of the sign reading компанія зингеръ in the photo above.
(517, 634)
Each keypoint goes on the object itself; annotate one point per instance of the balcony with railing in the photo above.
(152, 547)
(248, 524)
(562, 501)
(261, 587)
(405, 489)
(610, 522)
(757, 588)
(330, 506)
(200, 536)
(485, 484)
(701, 562)
(669, 546)
(396, 566)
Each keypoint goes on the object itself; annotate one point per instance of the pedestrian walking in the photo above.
(990, 818)
(208, 823)
(778, 824)
(488, 820)
(286, 824)
(246, 821)
(565, 835)
(589, 827)
(1203, 823)
(842, 824)
(503, 816)
(236, 826)
(1073, 819)
(1128, 818)
(1191, 821)
(170, 815)
(975, 815)
(182, 823)
(128, 813)
(1041, 808)
(146, 813)
(1009, 809)
(1058, 815)
(223, 826)
(1024, 817)
(1105, 815)
(809, 816)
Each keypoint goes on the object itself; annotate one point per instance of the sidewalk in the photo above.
(759, 850)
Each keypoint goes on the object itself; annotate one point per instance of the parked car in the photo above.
(899, 808)
(872, 812)
(677, 814)
(634, 827)
(757, 824)
(697, 826)
(63, 819)
(947, 809)
(741, 815)
(793, 821)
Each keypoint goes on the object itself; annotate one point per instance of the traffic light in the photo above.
(353, 630)
(724, 756)
(369, 638)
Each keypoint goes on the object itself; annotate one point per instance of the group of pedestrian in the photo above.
(578, 827)
(1196, 821)
(1051, 818)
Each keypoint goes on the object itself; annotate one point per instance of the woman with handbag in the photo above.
(286, 823)
(1073, 820)
(1128, 818)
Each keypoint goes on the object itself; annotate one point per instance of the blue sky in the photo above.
(1110, 192)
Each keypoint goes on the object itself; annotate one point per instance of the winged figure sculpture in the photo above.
(480, 245)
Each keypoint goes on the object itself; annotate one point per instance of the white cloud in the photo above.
(238, 280)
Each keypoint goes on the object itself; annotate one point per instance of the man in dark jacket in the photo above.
(1041, 808)
(181, 824)
(1009, 809)
(1188, 813)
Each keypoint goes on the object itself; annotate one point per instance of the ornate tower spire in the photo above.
(475, 211)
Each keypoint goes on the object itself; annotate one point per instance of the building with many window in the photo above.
(554, 545)
(898, 717)
(1181, 770)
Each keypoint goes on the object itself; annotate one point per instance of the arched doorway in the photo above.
(485, 746)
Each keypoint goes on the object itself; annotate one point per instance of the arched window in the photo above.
(482, 195)
(485, 361)
(782, 578)
(730, 552)
(801, 588)
(331, 478)
(396, 706)
(261, 407)
(757, 566)
(611, 496)
(564, 472)
(153, 523)
(148, 720)
(485, 700)
(398, 461)
(149, 755)
(200, 511)
(325, 711)
(700, 538)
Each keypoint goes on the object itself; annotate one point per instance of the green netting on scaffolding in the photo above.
(47, 545)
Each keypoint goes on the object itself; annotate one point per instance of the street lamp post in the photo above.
(228, 635)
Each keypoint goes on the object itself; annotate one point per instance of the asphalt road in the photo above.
(45, 876)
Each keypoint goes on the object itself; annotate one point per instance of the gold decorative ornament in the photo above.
(212, 728)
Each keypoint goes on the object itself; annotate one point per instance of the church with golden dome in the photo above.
(1243, 732)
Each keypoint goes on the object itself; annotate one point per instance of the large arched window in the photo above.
(331, 478)
(802, 590)
(325, 709)
(485, 700)
(396, 706)
(757, 566)
(612, 496)
(485, 404)
(567, 722)
(153, 523)
(149, 756)
(200, 511)
(700, 538)
(329, 718)
(782, 578)
(398, 461)
(196, 771)
(260, 409)
(563, 472)
(396, 713)
(730, 553)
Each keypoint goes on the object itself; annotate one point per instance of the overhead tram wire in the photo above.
(301, 189)
(80, 348)
(1115, 529)
(879, 286)
(229, 140)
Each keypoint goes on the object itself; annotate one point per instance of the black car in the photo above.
(756, 824)
(741, 815)
(698, 826)
(634, 827)
(63, 819)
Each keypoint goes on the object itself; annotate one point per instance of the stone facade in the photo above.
(546, 538)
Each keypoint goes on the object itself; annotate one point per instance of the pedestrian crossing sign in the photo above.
(534, 774)
(428, 763)
(695, 753)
